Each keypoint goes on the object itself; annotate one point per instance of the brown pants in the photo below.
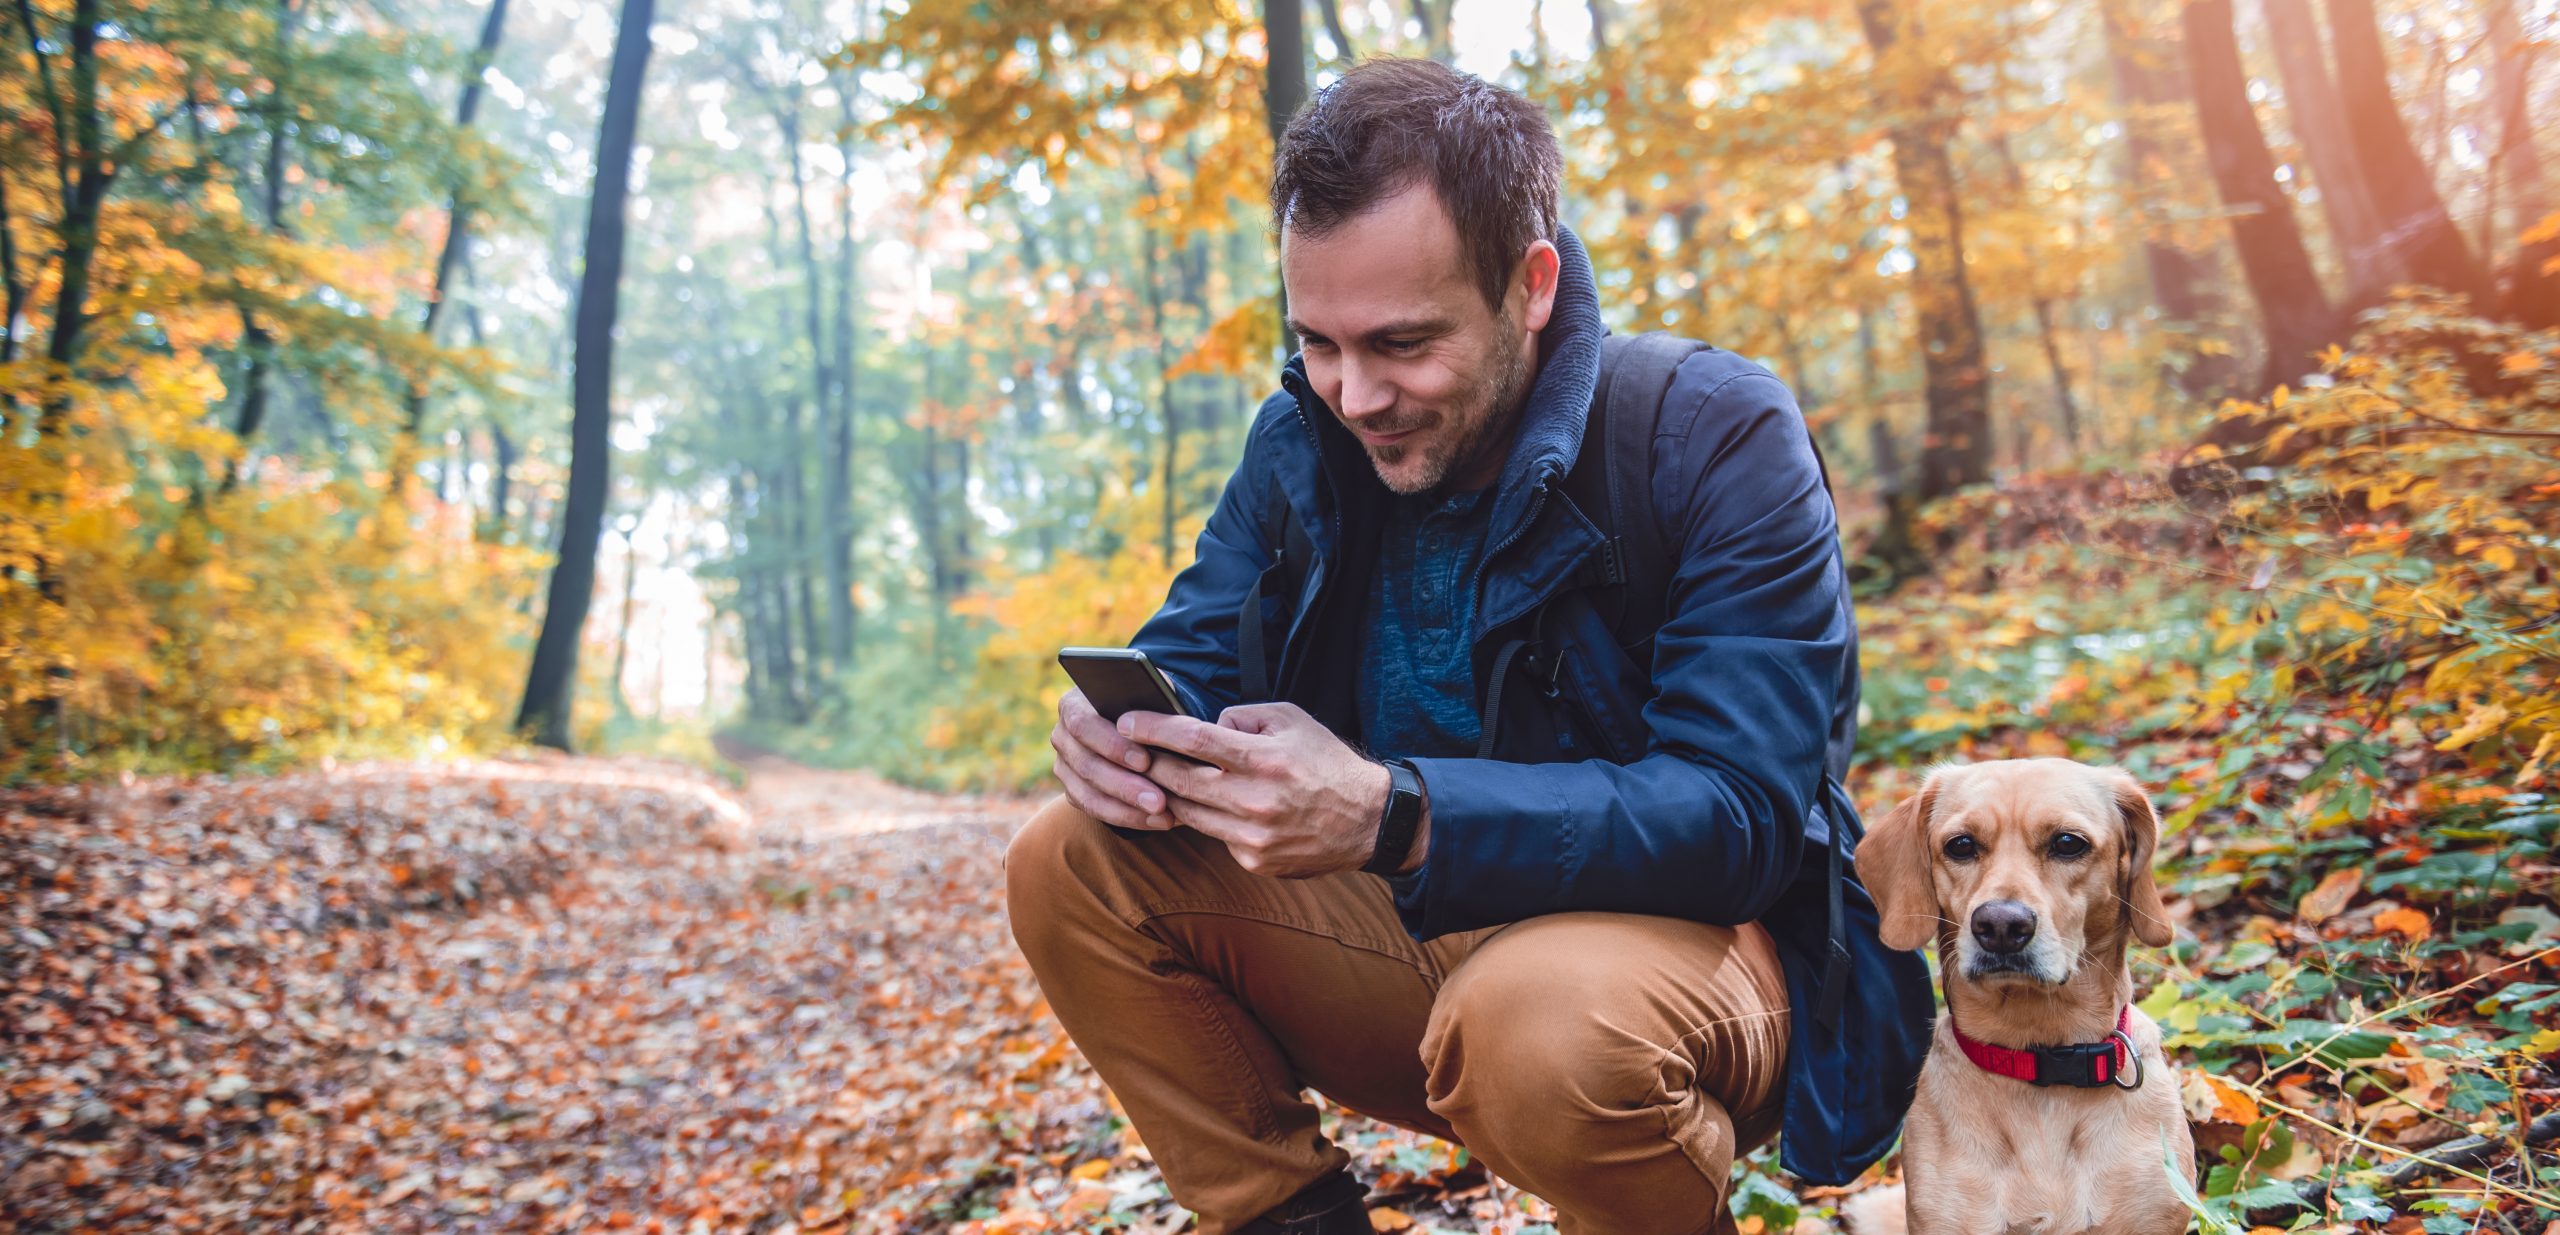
(1613, 1064)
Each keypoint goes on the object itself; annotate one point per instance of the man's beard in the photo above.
(1501, 391)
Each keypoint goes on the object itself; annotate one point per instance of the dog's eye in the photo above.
(1961, 848)
(2068, 845)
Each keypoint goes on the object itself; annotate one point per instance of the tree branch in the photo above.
(2456, 1155)
(52, 99)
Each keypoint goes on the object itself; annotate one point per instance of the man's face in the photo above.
(1400, 344)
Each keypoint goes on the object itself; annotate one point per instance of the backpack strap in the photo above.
(1291, 554)
(1612, 480)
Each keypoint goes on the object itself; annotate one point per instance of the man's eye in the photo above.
(1961, 848)
(1314, 345)
(1400, 345)
(2067, 845)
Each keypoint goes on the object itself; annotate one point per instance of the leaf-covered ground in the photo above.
(553, 995)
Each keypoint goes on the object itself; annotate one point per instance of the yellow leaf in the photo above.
(1095, 1169)
(2484, 720)
(1383, 1219)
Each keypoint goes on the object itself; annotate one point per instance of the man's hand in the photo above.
(1289, 799)
(1104, 772)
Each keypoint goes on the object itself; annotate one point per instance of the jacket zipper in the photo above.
(1318, 578)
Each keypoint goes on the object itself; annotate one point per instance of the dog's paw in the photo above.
(1876, 1211)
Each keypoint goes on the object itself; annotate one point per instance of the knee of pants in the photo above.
(1506, 1044)
(1047, 870)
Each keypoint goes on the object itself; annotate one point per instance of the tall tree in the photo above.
(547, 691)
(1921, 122)
(2295, 310)
(256, 341)
(2414, 220)
(2143, 71)
(845, 612)
(457, 227)
(2318, 116)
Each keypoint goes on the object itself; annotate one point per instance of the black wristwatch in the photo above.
(1398, 822)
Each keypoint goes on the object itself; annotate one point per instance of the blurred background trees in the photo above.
(940, 322)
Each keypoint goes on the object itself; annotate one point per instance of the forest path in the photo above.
(552, 994)
(521, 994)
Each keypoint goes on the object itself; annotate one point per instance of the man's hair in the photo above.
(1389, 124)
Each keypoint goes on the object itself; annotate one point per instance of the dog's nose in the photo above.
(2003, 927)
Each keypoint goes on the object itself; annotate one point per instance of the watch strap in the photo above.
(1398, 820)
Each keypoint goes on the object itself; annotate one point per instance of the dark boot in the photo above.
(1334, 1205)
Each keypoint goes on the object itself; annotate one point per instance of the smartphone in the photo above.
(1117, 680)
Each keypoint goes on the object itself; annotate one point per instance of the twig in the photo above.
(2456, 1156)
(2483, 430)
(2387, 1013)
(2416, 1164)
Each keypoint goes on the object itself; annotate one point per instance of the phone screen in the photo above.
(1117, 680)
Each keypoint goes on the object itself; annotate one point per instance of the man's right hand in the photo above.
(1104, 773)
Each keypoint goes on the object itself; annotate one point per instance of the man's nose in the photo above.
(2003, 927)
(1363, 394)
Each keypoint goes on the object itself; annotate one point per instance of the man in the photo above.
(1611, 896)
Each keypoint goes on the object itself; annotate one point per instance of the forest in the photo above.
(487, 484)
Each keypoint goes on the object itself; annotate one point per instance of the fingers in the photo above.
(1077, 715)
(1199, 739)
(1262, 718)
(1111, 794)
(1243, 838)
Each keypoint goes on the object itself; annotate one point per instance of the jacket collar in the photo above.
(1549, 433)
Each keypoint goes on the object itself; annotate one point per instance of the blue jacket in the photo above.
(1693, 787)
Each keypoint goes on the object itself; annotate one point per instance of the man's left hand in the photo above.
(1289, 799)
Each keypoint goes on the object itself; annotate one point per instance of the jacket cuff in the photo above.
(1501, 849)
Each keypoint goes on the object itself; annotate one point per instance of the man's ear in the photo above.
(1893, 861)
(1541, 268)
(2141, 842)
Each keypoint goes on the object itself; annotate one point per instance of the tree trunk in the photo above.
(1343, 52)
(1172, 439)
(457, 230)
(2414, 221)
(2042, 304)
(1284, 87)
(549, 683)
(822, 383)
(502, 466)
(2178, 281)
(2518, 162)
(844, 614)
(622, 621)
(1957, 449)
(2296, 312)
(254, 338)
(1434, 16)
(2318, 114)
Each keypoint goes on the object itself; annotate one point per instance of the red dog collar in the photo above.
(2093, 1065)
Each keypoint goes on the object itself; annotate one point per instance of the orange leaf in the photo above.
(2210, 1099)
(2323, 902)
(1388, 1220)
(2409, 922)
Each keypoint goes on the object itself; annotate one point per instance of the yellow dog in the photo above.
(2046, 1105)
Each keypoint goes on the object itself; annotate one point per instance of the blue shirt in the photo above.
(1417, 681)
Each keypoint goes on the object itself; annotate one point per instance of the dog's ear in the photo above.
(1893, 861)
(2141, 842)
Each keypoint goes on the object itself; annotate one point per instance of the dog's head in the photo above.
(2030, 865)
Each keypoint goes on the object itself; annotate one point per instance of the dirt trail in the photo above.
(501, 995)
